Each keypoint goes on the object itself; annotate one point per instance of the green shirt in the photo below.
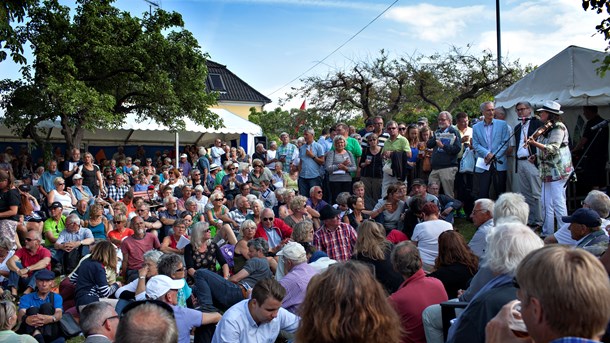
(399, 144)
(55, 227)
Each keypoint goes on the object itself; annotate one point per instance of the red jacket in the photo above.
(280, 227)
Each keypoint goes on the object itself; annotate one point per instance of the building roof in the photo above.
(230, 86)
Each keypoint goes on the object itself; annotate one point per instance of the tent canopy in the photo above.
(149, 132)
(570, 78)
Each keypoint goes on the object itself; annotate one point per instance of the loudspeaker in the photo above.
(260, 139)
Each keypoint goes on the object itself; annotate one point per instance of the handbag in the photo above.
(68, 326)
(468, 162)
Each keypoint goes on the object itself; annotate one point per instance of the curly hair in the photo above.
(354, 305)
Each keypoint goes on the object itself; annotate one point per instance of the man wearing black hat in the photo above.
(585, 227)
(40, 311)
(335, 238)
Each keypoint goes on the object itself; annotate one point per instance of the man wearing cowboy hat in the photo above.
(334, 237)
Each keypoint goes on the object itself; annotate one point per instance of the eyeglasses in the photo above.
(392, 128)
(207, 230)
(165, 307)
(29, 239)
(179, 270)
(107, 319)
(231, 168)
(219, 199)
(319, 192)
(268, 219)
(521, 109)
(516, 283)
(61, 184)
(142, 210)
(402, 128)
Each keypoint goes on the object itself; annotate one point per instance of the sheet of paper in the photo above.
(481, 163)
(182, 242)
(339, 172)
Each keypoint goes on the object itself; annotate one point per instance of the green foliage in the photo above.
(601, 7)
(91, 70)
(411, 86)
(11, 12)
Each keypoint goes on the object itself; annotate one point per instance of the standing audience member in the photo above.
(555, 164)
(311, 158)
(371, 174)
(446, 144)
(489, 137)
(371, 319)
(339, 164)
(564, 296)
(395, 143)
(528, 174)
(9, 207)
(416, 292)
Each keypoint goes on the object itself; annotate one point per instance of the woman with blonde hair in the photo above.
(62, 195)
(92, 176)
(218, 217)
(298, 207)
(373, 248)
(8, 320)
(202, 252)
(354, 305)
(120, 230)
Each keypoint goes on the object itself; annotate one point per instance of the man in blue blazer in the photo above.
(488, 136)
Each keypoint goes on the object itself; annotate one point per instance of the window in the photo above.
(216, 83)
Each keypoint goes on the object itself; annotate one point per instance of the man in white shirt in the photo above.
(259, 319)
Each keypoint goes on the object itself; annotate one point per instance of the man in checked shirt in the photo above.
(335, 238)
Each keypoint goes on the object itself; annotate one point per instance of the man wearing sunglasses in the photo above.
(165, 289)
(25, 262)
(274, 230)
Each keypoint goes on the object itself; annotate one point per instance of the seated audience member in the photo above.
(80, 191)
(388, 211)
(90, 276)
(298, 274)
(41, 311)
(274, 230)
(134, 247)
(172, 265)
(595, 200)
(508, 244)
(168, 216)
(211, 288)
(165, 289)
(564, 296)
(419, 189)
(117, 191)
(316, 197)
(299, 211)
(72, 244)
(128, 292)
(455, 264)
(259, 319)
(151, 223)
(54, 225)
(186, 190)
(170, 243)
(239, 214)
(335, 238)
(585, 226)
(8, 320)
(447, 204)
(425, 235)
(218, 217)
(99, 322)
(26, 262)
(356, 216)
(200, 198)
(98, 223)
(416, 292)
(203, 253)
(370, 319)
(240, 255)
(374, 249)
(483, 219)
(62, 195)
(510, 207)
(6, 252)
(120, 231)
(145, 322)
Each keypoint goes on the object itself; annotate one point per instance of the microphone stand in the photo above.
(572, 177)
(494, 156)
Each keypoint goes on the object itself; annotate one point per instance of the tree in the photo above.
(91, 70)
(13, 11)
(409, 85)
(603, 27)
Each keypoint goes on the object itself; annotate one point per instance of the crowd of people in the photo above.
(343, 236)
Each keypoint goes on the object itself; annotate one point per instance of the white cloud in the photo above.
(309, 3)
(435, 23)
(534, 31)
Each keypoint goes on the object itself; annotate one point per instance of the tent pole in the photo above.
(177, 149)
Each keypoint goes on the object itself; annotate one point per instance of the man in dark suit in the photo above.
(528, 176)
(99, 322)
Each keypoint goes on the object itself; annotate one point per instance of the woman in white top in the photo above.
(63, 195)
(425, 234)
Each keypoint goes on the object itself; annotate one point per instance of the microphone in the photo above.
(600, 125)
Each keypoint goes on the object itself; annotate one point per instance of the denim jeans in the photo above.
(211, 287)
(19, 283)
(306, 184)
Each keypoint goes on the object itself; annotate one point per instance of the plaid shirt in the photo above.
(289, 150)
(117, 193)
(338, 244)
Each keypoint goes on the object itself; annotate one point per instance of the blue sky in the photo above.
(270, 42)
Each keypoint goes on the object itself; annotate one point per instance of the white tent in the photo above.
(151, 133)
(571, 79)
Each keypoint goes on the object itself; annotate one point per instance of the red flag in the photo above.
(302, 108)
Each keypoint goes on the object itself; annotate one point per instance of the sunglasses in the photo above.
(179, 270)
(402, 128)
(165, 307)
(219, 199)
(117, 222)
(61, 184)
(268, 219)
(29, 239)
